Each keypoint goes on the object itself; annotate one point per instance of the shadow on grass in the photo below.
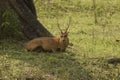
(40, 66)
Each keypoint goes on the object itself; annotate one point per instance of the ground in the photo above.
(93, 44)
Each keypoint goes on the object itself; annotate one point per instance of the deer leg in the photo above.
(53, 50)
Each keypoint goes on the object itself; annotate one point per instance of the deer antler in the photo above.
(59, 26)
(68, 24)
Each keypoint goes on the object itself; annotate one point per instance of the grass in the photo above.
(93, 44)
(17, 63)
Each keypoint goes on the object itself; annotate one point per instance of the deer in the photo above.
(50, 43)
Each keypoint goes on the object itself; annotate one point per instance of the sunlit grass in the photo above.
(92, 45)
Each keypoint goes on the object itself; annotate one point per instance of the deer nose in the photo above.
(63, 39)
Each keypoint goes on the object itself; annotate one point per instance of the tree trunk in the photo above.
(3, 6)
(31, 27)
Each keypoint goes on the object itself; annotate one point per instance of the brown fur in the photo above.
(48, 43)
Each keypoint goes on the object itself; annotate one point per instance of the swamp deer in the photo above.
(50, 43)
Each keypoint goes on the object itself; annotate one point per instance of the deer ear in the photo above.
(61, 32)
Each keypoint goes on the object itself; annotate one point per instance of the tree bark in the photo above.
(31, 27)
(3, 6)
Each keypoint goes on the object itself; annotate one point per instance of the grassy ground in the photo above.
(93, 44)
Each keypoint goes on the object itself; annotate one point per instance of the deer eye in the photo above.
(61, 36)
(65, 36)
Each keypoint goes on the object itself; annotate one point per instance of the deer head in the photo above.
(64, 34)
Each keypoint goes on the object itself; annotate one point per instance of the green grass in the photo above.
(92, 44)
(15, 62)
